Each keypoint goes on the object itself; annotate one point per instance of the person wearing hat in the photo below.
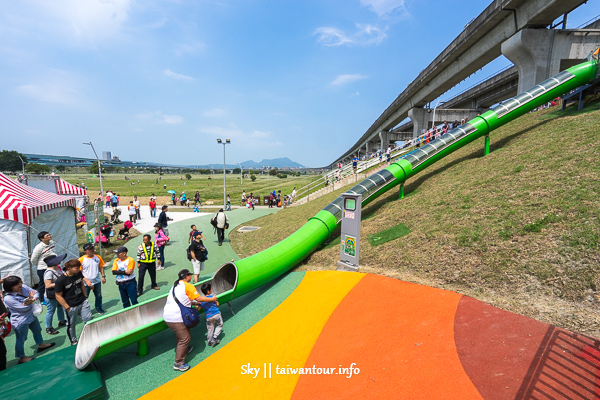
(198, 253)
(188, 296)
(222, 222)
(71, 294)
(19, 299)
(52, 273)
(92, 267)
(124, 269)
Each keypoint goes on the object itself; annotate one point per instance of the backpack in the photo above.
(213, 221)
(189, 253)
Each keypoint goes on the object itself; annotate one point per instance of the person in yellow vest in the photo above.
(147, 255)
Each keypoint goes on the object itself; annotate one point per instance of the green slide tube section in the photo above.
(119, 329)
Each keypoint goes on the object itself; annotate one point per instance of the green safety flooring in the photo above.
(52, 377)
(127, 376)
(175, 260)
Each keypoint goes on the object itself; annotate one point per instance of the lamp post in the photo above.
(241, 174)
(227, 141)
(101, 191)
(22, 164)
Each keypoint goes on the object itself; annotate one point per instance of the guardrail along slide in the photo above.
(117, 330)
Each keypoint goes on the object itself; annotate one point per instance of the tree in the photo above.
(252, 177)
(188, 176)
(60, 168)
(93, 169)
(273, 171)
(35, 168)
(9, 160)
(236, 171)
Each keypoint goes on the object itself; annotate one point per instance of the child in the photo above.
(193, 232)
(213, 316)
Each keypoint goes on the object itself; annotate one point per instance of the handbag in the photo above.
(36, 307)
(190, 316)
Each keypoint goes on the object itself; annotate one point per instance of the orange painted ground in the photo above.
(402, 341)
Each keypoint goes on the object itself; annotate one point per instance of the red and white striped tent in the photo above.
(24, 213)
(22, 203)
(64, 187)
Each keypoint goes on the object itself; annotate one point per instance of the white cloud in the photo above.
(365, 35)
(53, 86)
(386, 7)
(347, 78)
(369, 34)
(332, 37)
(189, 48)
(88, 20)
(45, 93)
(158, 117)
(215, 113)
(175, 75)
(247, 140)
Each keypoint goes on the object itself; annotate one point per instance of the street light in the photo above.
(241, 174)
(227, 141)
(101, 191)
(22, 164)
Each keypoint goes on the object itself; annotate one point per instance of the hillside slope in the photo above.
(518, 228)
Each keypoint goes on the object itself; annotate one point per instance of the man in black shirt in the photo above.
(71, 294)
(198, 253)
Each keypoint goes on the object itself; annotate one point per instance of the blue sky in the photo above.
(160, 80)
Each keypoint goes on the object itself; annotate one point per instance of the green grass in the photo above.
(209, 186)
(519, 223)
(387, 235)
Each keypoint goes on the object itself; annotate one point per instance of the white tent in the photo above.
(26, 211)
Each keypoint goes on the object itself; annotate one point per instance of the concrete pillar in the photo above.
(420, 117)
(384, 140)
(530, 51)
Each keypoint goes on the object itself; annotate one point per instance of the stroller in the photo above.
(104, 236)
(114, 219)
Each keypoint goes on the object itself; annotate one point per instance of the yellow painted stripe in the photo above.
(285, 337)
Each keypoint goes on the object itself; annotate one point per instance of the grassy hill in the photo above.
(518, 228)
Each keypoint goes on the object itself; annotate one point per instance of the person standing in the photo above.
(163, 220)
(70, 293)
(186, 295)
(243, 198)
(161, 240)
(124, 269)
(214, 321)
(132, 211)
(19, 299)
(147, 255)
(137, 205)
(45, 248)
(294, 194)
(198, 253)
(92, 267)
(222, 224)
(152, 205)
(355, 164)
(53, 272)
(196, 198)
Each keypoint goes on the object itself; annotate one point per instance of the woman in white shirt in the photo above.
(188, 296)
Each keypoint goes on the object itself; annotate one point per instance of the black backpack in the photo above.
(213, 221)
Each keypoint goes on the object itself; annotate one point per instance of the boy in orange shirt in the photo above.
(123, 268)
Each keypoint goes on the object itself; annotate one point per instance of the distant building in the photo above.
(106, 155)
(116, 158)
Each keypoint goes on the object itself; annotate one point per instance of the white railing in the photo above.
(339, 177)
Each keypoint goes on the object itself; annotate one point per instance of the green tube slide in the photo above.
(133, 325)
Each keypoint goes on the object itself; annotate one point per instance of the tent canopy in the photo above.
(22, 203)
(64, 187)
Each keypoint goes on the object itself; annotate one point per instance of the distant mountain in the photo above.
(276, 162)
